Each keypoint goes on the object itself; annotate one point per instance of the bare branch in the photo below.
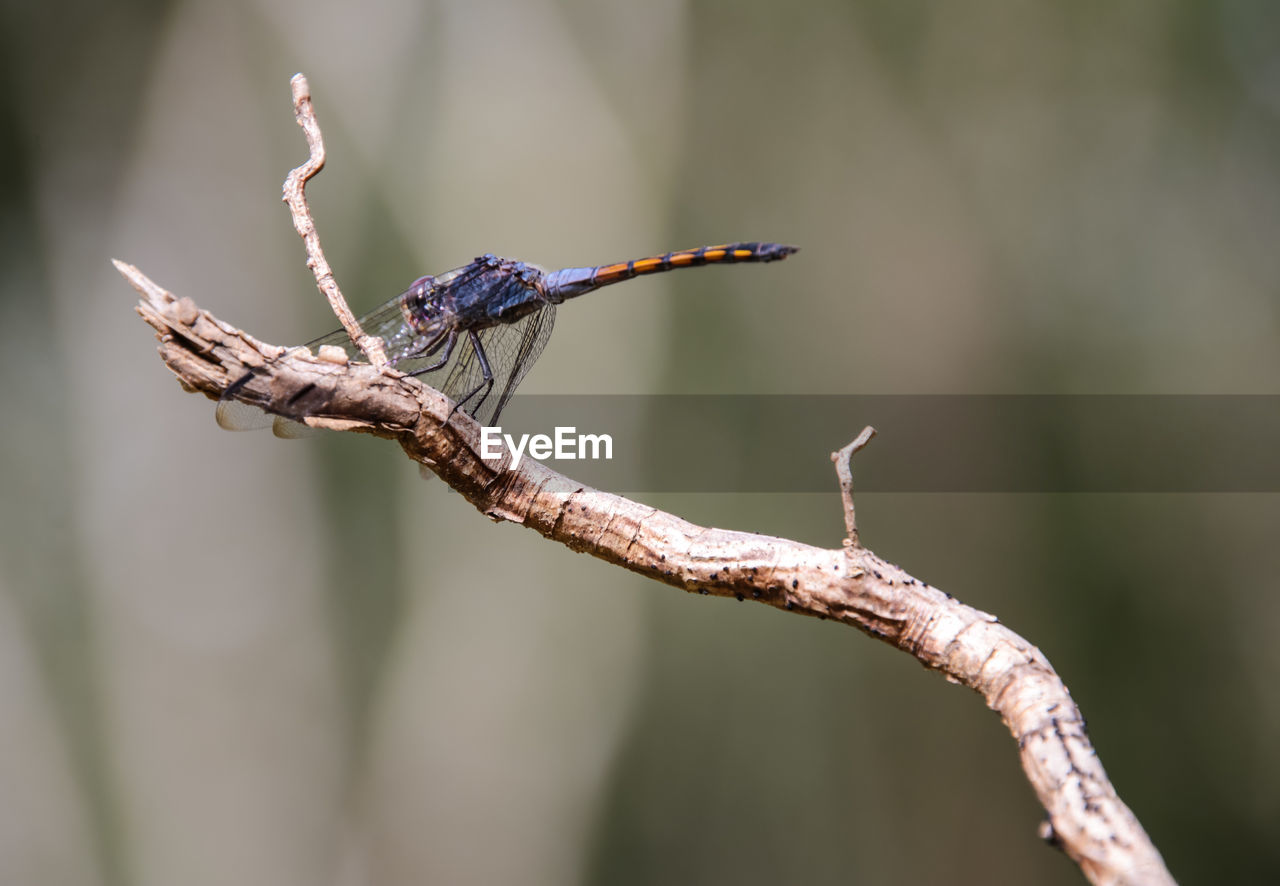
(852, 585)
(295, 195)
(1085, 817)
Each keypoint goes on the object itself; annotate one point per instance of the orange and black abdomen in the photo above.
(570, 282)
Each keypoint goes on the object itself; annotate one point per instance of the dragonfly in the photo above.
(478, 329)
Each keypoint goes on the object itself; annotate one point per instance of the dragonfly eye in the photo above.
(420, 287)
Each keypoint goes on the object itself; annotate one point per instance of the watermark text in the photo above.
(566, 445)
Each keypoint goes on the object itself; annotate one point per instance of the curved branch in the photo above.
(852, 585)
(1085, 817)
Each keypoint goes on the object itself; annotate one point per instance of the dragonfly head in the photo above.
(421, 286)
(420, 306)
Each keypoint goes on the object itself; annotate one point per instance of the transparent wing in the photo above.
(511, 350)
(236, 415)
(405, 347)
(233, 415)
(286, 429)
(387, 322)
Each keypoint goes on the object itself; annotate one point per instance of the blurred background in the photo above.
(226, 658)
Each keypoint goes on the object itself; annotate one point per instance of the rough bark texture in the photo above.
(1085, 817)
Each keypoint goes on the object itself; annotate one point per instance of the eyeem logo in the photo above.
(567, 445)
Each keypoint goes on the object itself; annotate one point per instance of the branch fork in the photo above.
(1085, 817)
(295, 195)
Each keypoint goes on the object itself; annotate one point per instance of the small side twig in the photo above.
(295, 195)
(844, 471)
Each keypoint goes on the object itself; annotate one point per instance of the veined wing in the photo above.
(237, 415)
(388, 322)
(405, 346)
(511, 349)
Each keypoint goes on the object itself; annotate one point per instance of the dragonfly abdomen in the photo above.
(571, 282)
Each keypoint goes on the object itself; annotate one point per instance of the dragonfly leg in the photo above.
(307, 389)
(444, 340)
(236, 386)
(487, 384)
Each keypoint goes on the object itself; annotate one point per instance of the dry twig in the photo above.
(295, 194)
(844, 473)
(1085, 817)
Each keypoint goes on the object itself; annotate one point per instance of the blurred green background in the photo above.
(232, 659)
